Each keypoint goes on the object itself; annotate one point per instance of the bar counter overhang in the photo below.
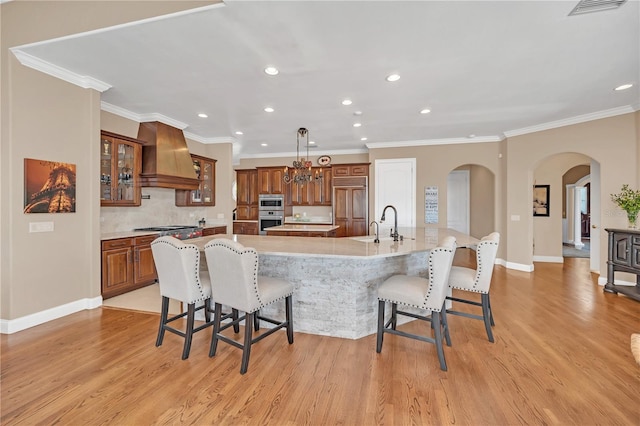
(336, 279)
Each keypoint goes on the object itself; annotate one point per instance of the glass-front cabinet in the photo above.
(205, 195)
(120, 167)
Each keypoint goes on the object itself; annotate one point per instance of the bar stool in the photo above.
(477, 281)
(179, 278)
(235, 282)
(423, 293)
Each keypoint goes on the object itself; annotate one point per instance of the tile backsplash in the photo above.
(158, 210)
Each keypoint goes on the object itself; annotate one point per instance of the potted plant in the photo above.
(629, 201)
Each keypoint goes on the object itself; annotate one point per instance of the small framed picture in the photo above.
(541, 200)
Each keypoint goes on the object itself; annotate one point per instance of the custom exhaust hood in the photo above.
(166, 162)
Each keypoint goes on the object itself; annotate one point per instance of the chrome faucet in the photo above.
(377, 240)
(394, 231)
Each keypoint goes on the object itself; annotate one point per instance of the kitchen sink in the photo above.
(370, 238)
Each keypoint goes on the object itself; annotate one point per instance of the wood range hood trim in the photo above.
(166, 161)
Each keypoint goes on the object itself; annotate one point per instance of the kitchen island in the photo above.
(299, 230)
(336, 279)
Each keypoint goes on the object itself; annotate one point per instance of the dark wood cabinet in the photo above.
(351, 198)
(246, 228)
(314, 193)
(213, 230)
(247, 194)
(205, 195)
(623, 256)
(270, 180)
(127, 264)
(350, 211)
(120, 167)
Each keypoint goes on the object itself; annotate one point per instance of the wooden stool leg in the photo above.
(191, 313)
(217, 314)
(380, 325)
(246, 351)
(164, 312)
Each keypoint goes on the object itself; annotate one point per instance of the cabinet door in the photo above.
(243, 213)
(205, 169)
(264, 176)
(120, 167)
(622, 248)
(277, 182)
(117, 271)
(243, 188)
(145, 268)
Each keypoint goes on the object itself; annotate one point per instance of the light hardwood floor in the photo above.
(562, 356)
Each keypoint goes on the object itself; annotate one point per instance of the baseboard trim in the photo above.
(603, 281)
(548, 259)
(28, 321)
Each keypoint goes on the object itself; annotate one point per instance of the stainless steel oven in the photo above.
(271, 202)
(269, 218)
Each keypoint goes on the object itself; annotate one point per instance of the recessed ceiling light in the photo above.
(471, 136)
(271, 70)
(425, 111)
(363, 139)
(393, 77)
(347, 102)
(239, 133)
(312, 142)
(269, 109)
(202, 115)
(357, 113)
(624, 87)
(357, 124)
(264, 144)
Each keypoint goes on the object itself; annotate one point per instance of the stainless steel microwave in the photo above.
(271, 202)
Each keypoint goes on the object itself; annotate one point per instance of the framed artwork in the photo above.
(49, 186)
(541, 200)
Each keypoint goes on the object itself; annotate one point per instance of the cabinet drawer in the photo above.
(139, 241)
(359, 170)
(119, 243)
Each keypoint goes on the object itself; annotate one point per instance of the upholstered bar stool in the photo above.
(235, 282)
(477, 281)
(423, 293)
(179, 278)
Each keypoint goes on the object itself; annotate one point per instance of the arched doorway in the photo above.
(480, 199)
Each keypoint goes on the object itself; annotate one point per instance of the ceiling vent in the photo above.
(588, 6)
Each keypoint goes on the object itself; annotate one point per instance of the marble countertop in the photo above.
(301, 228)
(415, 240)
(318, 220)
(125, 234)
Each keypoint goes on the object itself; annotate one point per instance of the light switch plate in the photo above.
(40, 226)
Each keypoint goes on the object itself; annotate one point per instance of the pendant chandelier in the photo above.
(301, 172)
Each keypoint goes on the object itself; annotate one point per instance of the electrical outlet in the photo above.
(40, 226)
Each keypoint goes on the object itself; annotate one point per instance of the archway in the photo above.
(480, 203)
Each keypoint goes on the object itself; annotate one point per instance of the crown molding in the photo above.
(572, 120)
(140, 118)
(215, 140)
(48, 68)
(427, 142)
(315, 153)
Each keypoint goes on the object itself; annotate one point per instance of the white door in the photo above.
(596, 230)
(396, 185)
(458, 201)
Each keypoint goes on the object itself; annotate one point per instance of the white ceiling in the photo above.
(487, 68)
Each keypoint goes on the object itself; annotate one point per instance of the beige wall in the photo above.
(251, 163)
(611, 141)
(46, 118)
(482, 200)
(547, 231)
(435, 162)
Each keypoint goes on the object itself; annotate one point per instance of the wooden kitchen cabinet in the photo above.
(270, 180)
(623, 256)
(213, 230)
(353, 169)
(127, 264)
(350, 211)
(120, 168)
(205, 195)
(245, 228)
(314, 193)
(247, 194)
